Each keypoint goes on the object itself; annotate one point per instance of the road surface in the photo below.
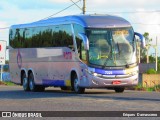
(13, 98)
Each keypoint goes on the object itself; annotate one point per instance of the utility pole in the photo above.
(147, 47)
(84, 6)
(156, 53)
(139, 53)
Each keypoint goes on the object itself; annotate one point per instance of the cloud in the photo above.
(121, 5)
(30, 4)
(60, 1)
(24, 11)
(3, 24)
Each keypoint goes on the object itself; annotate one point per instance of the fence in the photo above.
(150, 80)
(143, 67)
(5, 76)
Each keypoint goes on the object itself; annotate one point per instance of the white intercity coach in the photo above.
(74, 52)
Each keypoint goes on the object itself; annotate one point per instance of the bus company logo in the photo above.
(67, 55)
(6, 114)
(108, 72)
(19, 59)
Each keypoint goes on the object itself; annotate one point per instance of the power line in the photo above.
(76, 4)
(152, 11)
(61, 10)
(155, 11)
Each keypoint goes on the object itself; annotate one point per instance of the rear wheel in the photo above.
(75, 85)
(32, 85)
(65, 88)
(119, 90)
(40, 88)
(25, 82)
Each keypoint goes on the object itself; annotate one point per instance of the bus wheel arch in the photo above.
(74, 83)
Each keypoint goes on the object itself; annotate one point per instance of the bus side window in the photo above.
(80, 45)
(81, 50)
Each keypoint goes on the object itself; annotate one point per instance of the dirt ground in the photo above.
(1, 83)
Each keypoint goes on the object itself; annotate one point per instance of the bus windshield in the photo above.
(111, 47)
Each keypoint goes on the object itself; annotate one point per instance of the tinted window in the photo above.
(50, 36)
(80, 45)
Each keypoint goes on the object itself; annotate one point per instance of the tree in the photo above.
(144, 51)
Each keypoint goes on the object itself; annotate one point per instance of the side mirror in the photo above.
(143, 43)
(85, 40)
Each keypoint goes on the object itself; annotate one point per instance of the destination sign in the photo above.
(99, 31)
(119, 32)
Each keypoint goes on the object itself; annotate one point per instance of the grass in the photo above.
(150, 89)
(7, 83)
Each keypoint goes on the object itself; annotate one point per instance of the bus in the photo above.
(75, 52)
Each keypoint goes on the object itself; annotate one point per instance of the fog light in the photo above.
(95, 74)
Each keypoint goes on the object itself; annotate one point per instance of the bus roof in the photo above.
(88, 21)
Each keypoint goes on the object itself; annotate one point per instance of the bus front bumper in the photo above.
(117, 81)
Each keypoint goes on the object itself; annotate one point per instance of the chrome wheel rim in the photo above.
(76, 86)
(31, 84)
(25, 83)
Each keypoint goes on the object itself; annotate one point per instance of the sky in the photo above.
(144, 15)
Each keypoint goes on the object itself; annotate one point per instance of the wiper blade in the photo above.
(130, 65)
(104, 65)
(118, 48)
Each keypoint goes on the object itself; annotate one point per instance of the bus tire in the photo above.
(75, 86)
(32, 85)
(65, 88)
(40, 88)
(25, 82)
(119, 89)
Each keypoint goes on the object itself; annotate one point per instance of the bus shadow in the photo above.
(51, 93)
(111, 95)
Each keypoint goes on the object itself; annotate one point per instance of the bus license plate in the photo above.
(116, 82)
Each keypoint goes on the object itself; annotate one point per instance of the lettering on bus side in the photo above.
(67, 55)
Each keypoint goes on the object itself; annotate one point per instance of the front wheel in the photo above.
(76, 86)
(119, 90)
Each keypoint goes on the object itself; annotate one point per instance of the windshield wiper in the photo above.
(110, 58)
(118, 48)
(130, 65)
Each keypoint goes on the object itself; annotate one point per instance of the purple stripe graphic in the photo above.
(110, 72)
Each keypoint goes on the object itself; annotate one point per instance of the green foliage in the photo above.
(150, 89)
(7, 62)
(145, 50)
(151, 71)
(138, 87)
(152, 59)
(158, 66)
(9, 83)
